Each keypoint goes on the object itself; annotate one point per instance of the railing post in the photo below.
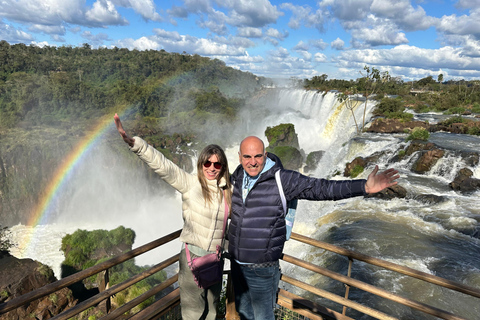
(347, 287)
(104, 285)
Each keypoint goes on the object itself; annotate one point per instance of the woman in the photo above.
(203, 215)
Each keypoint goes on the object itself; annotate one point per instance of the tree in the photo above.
(350, 105)
(370, 84)
(440, 78)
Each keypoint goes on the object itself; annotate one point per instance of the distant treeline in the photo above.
(426, 94)
(50, 85)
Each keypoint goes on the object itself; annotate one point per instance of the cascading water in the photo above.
(440, 238)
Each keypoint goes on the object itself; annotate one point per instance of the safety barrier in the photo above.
(288, 302)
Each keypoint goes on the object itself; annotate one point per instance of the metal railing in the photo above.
(300, 307)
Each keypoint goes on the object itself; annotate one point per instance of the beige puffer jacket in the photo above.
(203, 222)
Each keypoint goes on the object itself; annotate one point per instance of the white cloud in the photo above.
(41, 44)
(405, 56)
(319, 44)
(320, 57)
(215, 22)
(468, 4)
(401, 14)
(301, 46)
(338, 44)
(104, 12)
(53, 30)
(46, 12)
(239, 42)
(303, 16)
(463, 25)
(174, 42)
(274, 36)
(170, 35)
(146, 8)
(95, 40)
(249, 32)
(13, 35)
(471, 47)
(248, 13)
(378, 36)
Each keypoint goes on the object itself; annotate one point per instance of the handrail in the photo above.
(74, 278)
(134, 302)
(84, 305)
(460, 287)
(372, 289)
(284, 299)
(333, 297)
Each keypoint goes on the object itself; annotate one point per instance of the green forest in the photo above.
(58, 85)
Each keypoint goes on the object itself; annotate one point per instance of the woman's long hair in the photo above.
(206, 153)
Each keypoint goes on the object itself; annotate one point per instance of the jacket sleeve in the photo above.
(298, 186)
(166, 169)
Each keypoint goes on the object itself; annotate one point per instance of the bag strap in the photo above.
(280, 189)
(223, 231)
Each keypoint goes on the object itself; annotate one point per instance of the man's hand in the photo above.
(122, 132)
(378, 182)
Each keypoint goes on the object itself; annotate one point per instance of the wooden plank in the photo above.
(307, 308)
(159, 307)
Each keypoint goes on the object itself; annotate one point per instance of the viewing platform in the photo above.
(289, 304)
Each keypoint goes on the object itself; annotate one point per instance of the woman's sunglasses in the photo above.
(216, 165)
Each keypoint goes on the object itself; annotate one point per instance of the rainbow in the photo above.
(64, 171)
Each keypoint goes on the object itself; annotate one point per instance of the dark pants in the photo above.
(255, 290)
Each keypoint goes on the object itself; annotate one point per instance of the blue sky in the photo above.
(299, 39)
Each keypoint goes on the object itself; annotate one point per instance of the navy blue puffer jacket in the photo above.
(257, 231)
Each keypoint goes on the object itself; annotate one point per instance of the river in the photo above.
(441, 238)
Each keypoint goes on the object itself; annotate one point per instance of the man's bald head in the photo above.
(252, 155)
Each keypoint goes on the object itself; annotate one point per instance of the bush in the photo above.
(421, 108)
(476, 107)
(455, 110)
(418, 133)
(474, 131)
(452, 120)
(403, 116)
(389, 106)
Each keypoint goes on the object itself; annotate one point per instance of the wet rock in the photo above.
(362, 162)
(471, 158)
(313, 159)
(427, 160)
(382, 125)
(419, 145)
(395, 191)
(20, 276)
(283, 142)
(430, 198)
(464, 181)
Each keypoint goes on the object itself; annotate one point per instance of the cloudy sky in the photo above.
(301, 38)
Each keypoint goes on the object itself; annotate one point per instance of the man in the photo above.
(257, 231)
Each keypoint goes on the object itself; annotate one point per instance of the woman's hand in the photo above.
(126, 138)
